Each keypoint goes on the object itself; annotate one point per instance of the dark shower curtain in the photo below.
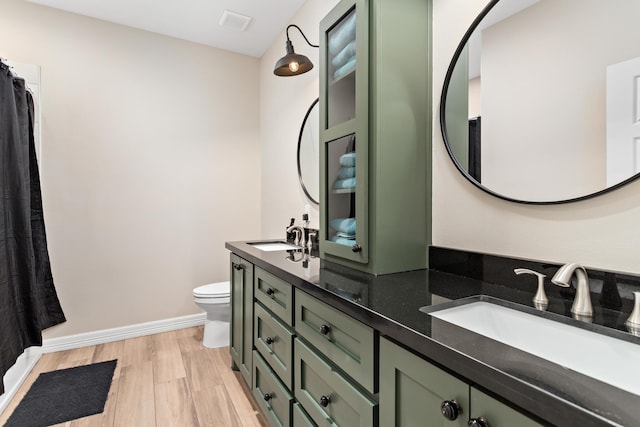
(28, 299)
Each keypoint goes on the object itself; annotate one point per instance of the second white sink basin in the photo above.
(273, 246)
(598, 356)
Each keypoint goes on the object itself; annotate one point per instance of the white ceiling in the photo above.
(194, 20)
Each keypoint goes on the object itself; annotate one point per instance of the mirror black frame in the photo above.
(304, 122)
(443, 128)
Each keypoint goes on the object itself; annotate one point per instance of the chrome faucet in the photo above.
(581, 308)
(300, 240)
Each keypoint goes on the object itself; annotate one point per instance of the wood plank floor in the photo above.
(168, 379)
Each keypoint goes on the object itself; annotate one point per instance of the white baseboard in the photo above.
(14, 378)
(16, 375)
(116, 334)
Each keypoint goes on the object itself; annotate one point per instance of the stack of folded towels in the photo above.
(347, 173)
(345, 231)
(342, 46)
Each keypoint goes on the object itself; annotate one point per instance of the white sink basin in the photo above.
(598, 356)
(273, 246)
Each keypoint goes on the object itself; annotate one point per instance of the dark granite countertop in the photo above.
(550, 393)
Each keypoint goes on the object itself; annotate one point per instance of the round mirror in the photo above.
(309, 154)
(541, 102)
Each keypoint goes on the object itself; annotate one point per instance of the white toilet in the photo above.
(214, 299)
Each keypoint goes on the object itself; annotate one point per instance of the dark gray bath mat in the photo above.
(64, 395)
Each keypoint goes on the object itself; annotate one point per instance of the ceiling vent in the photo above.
(235, 20)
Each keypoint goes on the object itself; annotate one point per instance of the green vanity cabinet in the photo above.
(272, 397)
(412, 392)
(375, 132)
(241, 336)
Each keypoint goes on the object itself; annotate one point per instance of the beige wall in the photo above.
(150, 162)
(602, 233)
(283, 104)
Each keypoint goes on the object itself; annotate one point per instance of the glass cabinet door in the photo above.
(344, 119)
(341, 191)
(341, 70)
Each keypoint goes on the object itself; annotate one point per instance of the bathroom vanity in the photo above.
(322, 344)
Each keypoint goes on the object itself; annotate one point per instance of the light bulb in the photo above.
(293, 66)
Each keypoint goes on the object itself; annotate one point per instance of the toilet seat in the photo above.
(213, 290)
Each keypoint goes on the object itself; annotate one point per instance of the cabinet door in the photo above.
(412, 390)
(497, 413)
(344, 131)
(241, 340)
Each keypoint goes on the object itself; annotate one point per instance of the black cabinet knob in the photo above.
(237, 266)
(269, 340)
(478, 422)
(356, 248)
(450, 409)
(324, 401)
(267, 397)
(270, 292)
(325, 329)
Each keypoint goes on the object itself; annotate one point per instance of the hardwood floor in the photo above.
(168, 379)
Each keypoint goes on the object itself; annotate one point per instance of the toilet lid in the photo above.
(212, 290)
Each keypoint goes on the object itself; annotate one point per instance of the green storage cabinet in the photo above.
(348, 343)
(241, 337)
(272, 397)
(375, 124)
(412, 390)
(274, 341)
(328, 397)
(275, 294)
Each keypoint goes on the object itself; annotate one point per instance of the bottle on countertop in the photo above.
(291, 235)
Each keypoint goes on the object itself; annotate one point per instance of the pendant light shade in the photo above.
(293, 64)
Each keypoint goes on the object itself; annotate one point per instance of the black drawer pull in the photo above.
(356, 248)
(269, 340)
(237, 266)
(267, 397)
(450, 409)
(324, 401)
(325, 329)
(270, 291)
(478, 422)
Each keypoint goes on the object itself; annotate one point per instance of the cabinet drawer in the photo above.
(300, 418)
(327, 396)
(272, 397)
(275, 294)
(274, 341)
(345, 341)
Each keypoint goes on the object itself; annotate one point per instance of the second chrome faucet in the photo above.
(581, 308)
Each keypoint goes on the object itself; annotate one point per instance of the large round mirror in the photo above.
(541, 103)
(309, 154)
